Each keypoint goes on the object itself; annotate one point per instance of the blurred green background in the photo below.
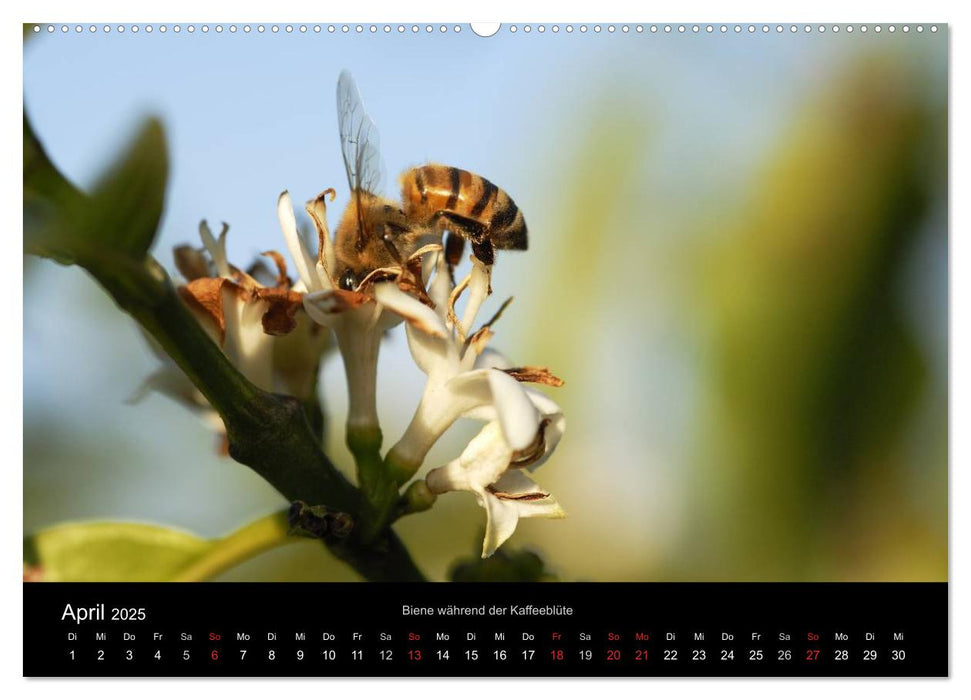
(738, 262)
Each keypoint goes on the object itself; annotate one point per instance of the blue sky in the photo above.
(249, 115)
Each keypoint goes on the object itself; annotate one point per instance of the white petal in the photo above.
(430, 353)
(441, 285)
(486, 456)
(323, 274)
(517, 415)
(414, 312)
(326, 268)
(506, 495)
(486, 413)
(552, 435)
(555, 427)
(548, 507)
(548, 410)
(501, 520)
(474, 386)
(492, 359)
(306, 265)
(478, 292)
(491, 387)
(482, 462)
(217, 249)
(386, 320)
(250, 349)
(502, 514)
(514, 482)
(323, 307)
(543, 403)
(451, 477)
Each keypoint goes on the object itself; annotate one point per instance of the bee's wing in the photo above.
(359, 137)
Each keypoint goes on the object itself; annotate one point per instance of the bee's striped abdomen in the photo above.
(465, 203)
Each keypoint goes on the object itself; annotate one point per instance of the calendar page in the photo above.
(448, 349)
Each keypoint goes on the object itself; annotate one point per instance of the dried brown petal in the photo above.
(204, 296)
(534, 375)
(379, 274)
(261, 272)
(453, 300)
(498, 314)
(532, 452)
(534, 496)
(281, 265)
(411, 282)
(280, 317)
(424, 250)
(317, 208)
(191, 263)
(480, 339)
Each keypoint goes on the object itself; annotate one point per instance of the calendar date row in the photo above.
(472, 655)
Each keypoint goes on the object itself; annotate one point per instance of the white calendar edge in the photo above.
(828, 11)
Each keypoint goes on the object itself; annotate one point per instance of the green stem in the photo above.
(259, 536)
(379, 489)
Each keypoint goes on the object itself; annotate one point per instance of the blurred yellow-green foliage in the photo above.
(756, 370)
(818, 462)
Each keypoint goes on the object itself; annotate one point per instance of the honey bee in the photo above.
(465, 204)
(375, 232)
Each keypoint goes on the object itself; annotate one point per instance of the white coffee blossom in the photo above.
(355, 317)
(499, 477)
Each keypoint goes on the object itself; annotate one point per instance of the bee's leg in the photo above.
(474, 230)
(462, 225)
(410, 269)
(392, 249)
(484, 251)
(392, 231)
(454, 247)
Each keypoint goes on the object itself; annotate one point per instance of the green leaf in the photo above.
(42, 180)
(126, 206)
(110, 551)
(119, 551)
(118, 221)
